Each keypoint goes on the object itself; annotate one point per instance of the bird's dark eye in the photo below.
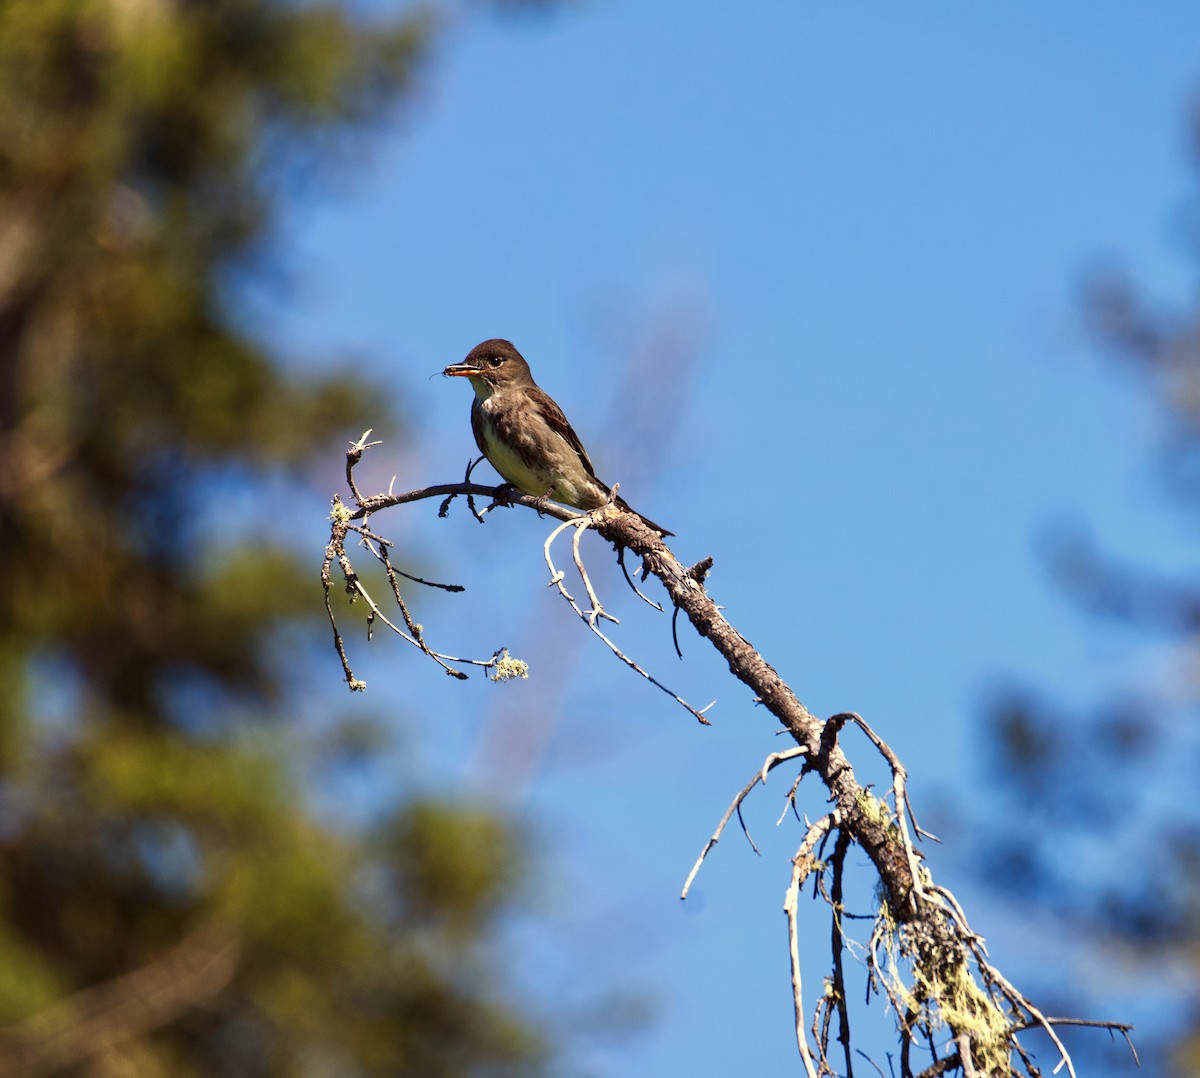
(495, 361)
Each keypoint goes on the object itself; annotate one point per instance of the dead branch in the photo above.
(921, 955)
(597, 611)
(802, 864)
(771, 762)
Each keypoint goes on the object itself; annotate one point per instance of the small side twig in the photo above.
(1124, 1028)
(370, 537)
(802, 864)
(353, 456)
(556, 580)
(335, 551)
(837, 863)
(771, 762)
(444, 508)
(342, 517)
(597, 611)
(636, 590)
(878, 1068)
(697, 573)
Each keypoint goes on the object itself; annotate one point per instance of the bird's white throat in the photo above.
(483, 389)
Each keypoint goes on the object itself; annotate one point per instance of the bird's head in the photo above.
(495, 364)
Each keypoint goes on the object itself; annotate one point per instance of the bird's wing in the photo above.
(477, 427)
(557, 422)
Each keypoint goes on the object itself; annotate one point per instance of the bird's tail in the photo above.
(623, 504)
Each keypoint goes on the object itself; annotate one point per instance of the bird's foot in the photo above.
(503, 495)
(542, 503)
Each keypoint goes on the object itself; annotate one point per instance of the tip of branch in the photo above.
(362, 443)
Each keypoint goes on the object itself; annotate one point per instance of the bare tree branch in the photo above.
(921, 954)
(771, 762)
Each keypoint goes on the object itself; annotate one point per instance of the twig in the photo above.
(355, 684)
(1124, 1028)
(956, 911)
(802, 864)
(629, 580)
(837, 864)
(878, 1068)
(367, 534)
(941, 1066)
(597, 610)
(353, 456)
(335, 550)
(771, 762)
(790, 800)
(964, 1056)
(441, 660)
(1026, 1058)
(1039, 1018)
(556, 580)
(342, 518)
(444, 508)
(696, 573)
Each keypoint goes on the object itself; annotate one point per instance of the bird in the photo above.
(525, 435)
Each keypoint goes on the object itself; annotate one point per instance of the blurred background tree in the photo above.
(1100, 828)
(170, 903)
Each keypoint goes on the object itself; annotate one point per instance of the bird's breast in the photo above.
(531, 455)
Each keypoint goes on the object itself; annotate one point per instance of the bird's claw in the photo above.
(505, 494)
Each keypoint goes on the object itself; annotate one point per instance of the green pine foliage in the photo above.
(169, 902)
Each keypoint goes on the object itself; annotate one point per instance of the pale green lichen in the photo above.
(507, 667)
(966, 1008)
(876, 812)
(944, 993)
(341, 513)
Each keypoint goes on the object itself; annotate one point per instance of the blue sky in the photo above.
(867, 226)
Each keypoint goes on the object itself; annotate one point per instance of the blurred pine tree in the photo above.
(1091, 831)
(168, 903)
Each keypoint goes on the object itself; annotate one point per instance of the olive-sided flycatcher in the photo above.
(525, 435)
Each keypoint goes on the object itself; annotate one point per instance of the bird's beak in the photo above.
(461, 370)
